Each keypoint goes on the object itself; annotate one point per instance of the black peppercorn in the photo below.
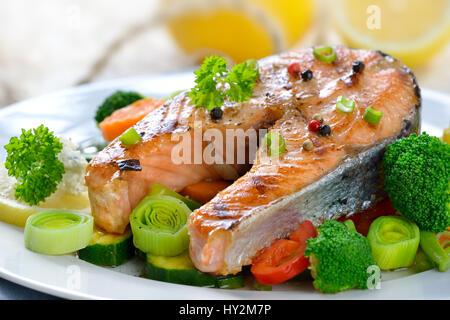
(325, 130)
(358, 66)
(307, 75)
(216, 113)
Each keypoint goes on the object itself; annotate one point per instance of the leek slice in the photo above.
(159, 189)
(394, 241)
(159, 225)
(434, 251)
(58, 232)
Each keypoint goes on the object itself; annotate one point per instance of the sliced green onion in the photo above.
(159, 189)
(173, 94)
(159, 225)
(350, 225)
(326, 54)
(275, 143)
(130, 137)
(434, 251)
(372, 116)
(58, 232)
(394, 242)
(345, 105)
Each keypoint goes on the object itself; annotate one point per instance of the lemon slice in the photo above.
(237, 29)
(17, 213)
(412, 30)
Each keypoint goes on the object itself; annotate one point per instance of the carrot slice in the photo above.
(122, 119)
(204, 191)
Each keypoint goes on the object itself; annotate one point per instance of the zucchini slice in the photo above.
(180, 270)
(107, 249)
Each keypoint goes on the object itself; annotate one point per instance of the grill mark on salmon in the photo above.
(339, 177)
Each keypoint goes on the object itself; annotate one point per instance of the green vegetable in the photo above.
(58, 232)
(349, 224)
(339, 258)
(159, 189)
(345, 105)
(261, 287)
(275, 143)
(32, 160)
(240, 80)
(107, 249)
(394, 241)
(173, 94)
(116, 101)
(422, 263)
(372, 116)
(159, 225)
(130, 137)
(434, 251)
(230, 281)
(179, 269)
(326, 54)
(417, 171)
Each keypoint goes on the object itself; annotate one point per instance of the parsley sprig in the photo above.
(238, 82)
(32, 160)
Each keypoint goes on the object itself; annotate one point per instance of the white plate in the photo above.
(71, 113)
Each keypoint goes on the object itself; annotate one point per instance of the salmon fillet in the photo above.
(340, 176)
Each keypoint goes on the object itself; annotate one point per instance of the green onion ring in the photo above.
(130, 137)
(345, 105)
(434, 251)
(372, 116)
(394, 241)
(275, 143)
(58, 232)
(159, 225)
(326, 54)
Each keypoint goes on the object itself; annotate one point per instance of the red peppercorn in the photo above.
(294, 68)
(314, 126)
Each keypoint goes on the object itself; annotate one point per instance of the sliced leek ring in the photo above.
(159, 225)
(57, 232)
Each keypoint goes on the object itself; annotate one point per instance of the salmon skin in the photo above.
(339, 176)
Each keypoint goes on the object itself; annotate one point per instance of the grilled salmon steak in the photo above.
(334, 174)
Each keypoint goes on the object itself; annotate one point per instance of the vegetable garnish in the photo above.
(275, 143)
(344, 105)
(130, 137)
(284, 259)
(161, 190)
(372, 116)
(434, 251)
(326, 54)
(240, 81)
(116, 101)
(32, 160)
(159, 225)
(394, 242)
(339, 258)
(58, 232)
(416, 179)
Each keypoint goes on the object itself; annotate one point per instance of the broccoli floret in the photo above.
(339, 258)
(116, 101)
(417, 172)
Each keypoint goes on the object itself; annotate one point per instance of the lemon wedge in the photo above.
(17, 213)
(412, 30)
(237, 29)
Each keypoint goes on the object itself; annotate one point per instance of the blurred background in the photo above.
(48, 45)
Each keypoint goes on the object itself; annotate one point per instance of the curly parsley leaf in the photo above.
(240, 80)
(32, 160)
(205, 93)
